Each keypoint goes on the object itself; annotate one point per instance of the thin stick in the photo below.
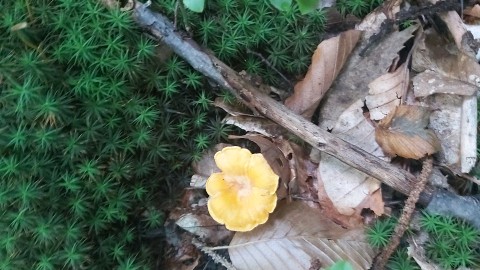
(212, 254)
(406, 216)
(266, 62)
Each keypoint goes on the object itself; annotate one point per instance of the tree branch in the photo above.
(437, 200)
(160, 27)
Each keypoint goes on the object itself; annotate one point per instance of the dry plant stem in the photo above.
(406, 216)
(266, 62)
(160, 27)
(212, 254)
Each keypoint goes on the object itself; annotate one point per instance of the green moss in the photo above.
(401, 261)
(93, 130)
(451, 244)
(232, 29)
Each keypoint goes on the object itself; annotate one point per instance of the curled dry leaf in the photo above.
(295, 237)
(327, 61)
(302, 170)
(386, 92)
(403, 132)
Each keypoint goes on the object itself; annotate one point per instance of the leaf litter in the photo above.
(353, 94)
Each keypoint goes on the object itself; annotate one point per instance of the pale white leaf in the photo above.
(386, 91)
(345, 186)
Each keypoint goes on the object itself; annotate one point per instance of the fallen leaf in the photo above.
(295, 237)
(352, 84)
(386, 92)
(373, 202)
(205, 166)
(432, 52)
(452, 64)
(302, 169)
(429, 83)
(403, 132)
(348, 188)
(327, 61)
(473, 11)
(330, 211)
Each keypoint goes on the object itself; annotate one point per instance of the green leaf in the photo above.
(307, 6)
(194, 5)
(283, 5)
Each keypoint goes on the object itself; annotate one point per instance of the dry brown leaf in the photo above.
(473, 11)
(373, 202)
(352, 84)
(303, 170)
(349, 189)
(429, 83)
(327, 61)
(403, 133)
(386, 92)
(295, 237)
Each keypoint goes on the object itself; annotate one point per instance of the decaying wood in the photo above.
(397, 178)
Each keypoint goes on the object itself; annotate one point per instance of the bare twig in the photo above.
(406, 216)
(212, 254)
(266, 62)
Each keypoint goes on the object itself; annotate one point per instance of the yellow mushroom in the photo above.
(243, 194)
